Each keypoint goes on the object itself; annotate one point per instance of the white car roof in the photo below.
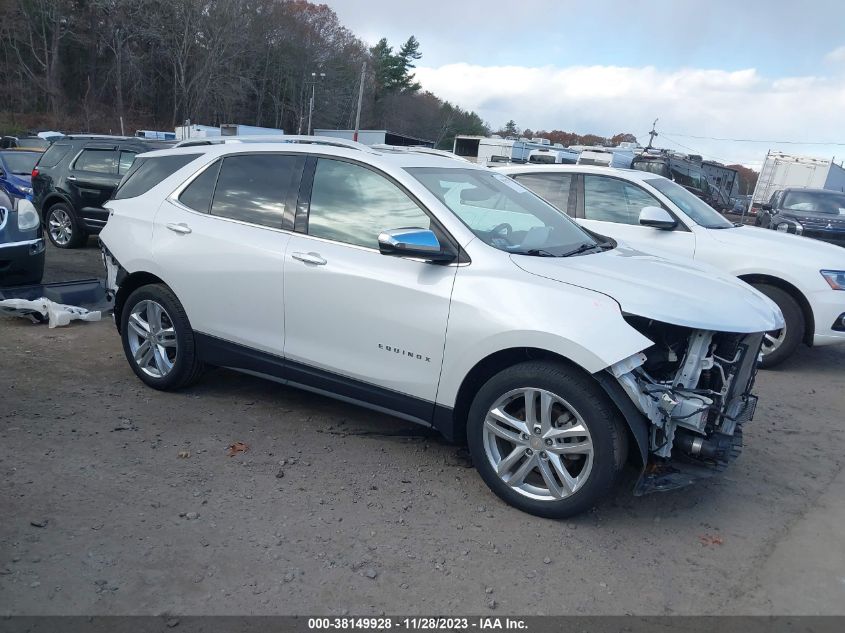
(385, 155)
(635, 175)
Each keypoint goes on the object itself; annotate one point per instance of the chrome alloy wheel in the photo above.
(538, 444)
(773, 340)
(152, 339)
(60, 226)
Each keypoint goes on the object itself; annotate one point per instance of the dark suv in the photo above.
(816, 213)
(74, 178)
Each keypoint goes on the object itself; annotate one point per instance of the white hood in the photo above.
(682, 293)
(788, 249)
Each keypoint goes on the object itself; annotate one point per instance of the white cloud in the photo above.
(609, 99)
(836, 56)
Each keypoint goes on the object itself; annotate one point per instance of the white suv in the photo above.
(649, 212)
(443, 293)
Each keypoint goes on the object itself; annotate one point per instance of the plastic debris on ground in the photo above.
(39, 310)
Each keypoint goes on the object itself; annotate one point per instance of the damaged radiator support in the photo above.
(694, 388)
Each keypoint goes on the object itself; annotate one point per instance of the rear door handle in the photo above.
(182, 229)
(309, 258)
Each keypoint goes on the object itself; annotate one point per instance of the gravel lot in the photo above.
(336, 509)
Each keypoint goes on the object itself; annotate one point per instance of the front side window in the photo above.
(503, 213)
(353, 204)
(96, 160)
(552, 188)
(699, 211)
(254, 187)
(614, 200)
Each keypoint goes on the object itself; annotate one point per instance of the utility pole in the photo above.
(311, 103)
(360, 99)
(652, 134)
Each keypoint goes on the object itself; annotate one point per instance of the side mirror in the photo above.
(766, 207)
(657, 218)
(414, 243)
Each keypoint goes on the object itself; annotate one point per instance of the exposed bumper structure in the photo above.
(694, 390)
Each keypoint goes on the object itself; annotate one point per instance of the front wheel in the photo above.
(546, 439)
(778, 345)
(158, 340)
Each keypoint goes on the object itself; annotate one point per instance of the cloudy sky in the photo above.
(772, 71)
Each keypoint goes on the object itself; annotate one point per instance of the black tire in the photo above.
(187, 367)
(599, 415)
(793, 316)
(78, 235)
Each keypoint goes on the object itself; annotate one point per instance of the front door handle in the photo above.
(309, 258)
(182, 229)
(72, 178)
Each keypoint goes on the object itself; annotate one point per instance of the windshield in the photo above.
(699, 211)
(815, 202)
(20, 163)
(503, 213)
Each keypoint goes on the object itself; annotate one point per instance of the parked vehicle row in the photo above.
(444, 293)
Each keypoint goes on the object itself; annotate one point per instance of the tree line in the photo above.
(83, 65)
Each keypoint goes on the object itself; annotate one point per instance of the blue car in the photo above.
(15, 172)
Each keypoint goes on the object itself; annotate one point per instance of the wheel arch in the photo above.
(49, 201)
(492, 364)
(129, 284)
(792, 291)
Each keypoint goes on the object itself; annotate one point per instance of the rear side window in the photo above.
(125, 161)
(55, 153)
(254, 187)
(197, 195)
(552, 188)
(146, 173)
(96, 160)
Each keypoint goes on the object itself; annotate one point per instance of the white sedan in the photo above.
(806, 278)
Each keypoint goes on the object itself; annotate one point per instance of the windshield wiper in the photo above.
(582, 249)
(536, 252)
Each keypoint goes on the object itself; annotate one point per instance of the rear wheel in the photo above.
(158, 340)
(778, 345)
(546, 439)
(63, 228)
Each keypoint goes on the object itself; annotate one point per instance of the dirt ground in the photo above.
(335, 509)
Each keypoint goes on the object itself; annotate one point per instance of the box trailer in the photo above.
(194, 130)
(781, 170)
(236, 129)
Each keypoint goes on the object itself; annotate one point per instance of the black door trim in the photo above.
(222, 353)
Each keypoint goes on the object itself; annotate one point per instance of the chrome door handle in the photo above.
(72, 178)
(309, 258)
(182, 229)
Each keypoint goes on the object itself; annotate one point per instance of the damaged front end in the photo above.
(694, 388)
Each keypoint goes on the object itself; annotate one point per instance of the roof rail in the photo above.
(273, 138)
(419, 149)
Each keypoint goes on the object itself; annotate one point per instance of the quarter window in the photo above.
(96, 160)
(254, 187)
(125, 162)
(353, 204)
(614, 200)
(553, 188)
(197, 195)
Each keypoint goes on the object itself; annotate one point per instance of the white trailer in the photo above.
(781, 170)
(605, 156)
(194, 130)
(487, 150)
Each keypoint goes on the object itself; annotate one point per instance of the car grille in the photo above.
(821, 224)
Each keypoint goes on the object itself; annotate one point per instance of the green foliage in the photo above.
(392, 71)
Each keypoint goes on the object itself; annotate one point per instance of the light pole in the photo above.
(311, 103)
